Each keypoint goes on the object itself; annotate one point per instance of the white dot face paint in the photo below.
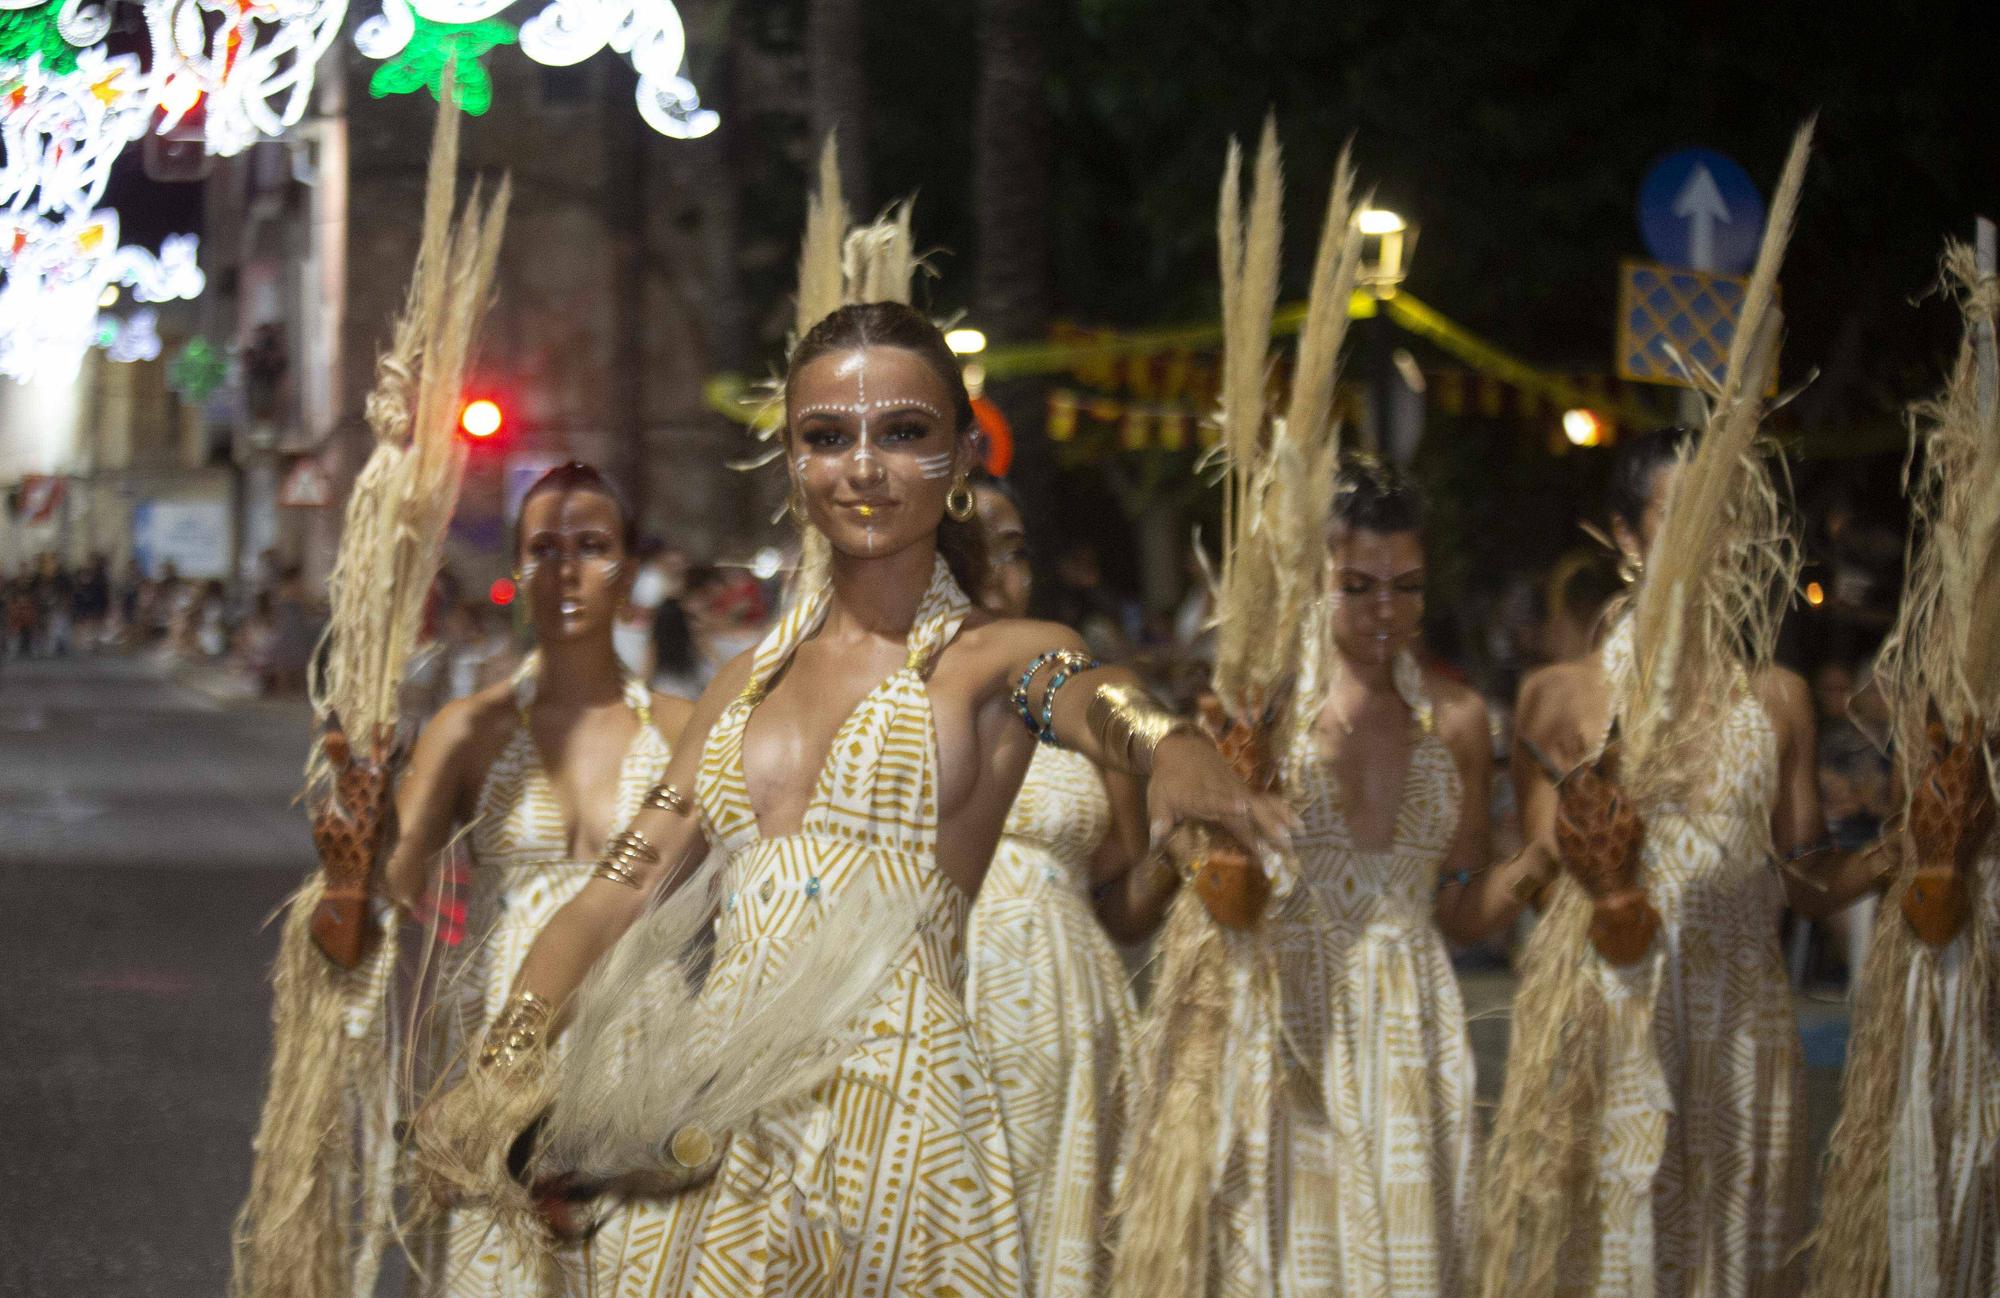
(872, 433)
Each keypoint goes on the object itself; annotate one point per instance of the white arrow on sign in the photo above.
(1700, 204)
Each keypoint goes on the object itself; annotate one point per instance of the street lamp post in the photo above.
(1387, 240)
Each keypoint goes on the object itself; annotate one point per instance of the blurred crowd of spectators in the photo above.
(265, 627)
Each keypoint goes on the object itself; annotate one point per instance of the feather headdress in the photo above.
(1942, 658)
(1209, 1043)
(838, 267)
(317, 1215)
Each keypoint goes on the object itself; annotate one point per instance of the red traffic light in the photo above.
(480, 419)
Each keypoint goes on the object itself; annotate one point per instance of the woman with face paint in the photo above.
(871, 746)
(539, 772)
(1047, 993)
(1371, 1130)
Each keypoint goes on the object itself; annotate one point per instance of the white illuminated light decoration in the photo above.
(54, 274)
(254, 69)
(249, 65)
(566, 32)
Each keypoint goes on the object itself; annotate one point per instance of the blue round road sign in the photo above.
(1699, 210)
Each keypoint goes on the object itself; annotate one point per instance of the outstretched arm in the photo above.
(1106, 714)
(1130, 886)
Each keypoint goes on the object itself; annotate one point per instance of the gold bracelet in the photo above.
(517, 1031)
(626, 849)
(1530, 882)
(1130, 725)
(665, 797)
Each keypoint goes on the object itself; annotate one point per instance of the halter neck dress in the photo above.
(1371, 1126)
(892, 1179)
(522, 874)
(1702, 1167)
(1051, 1003)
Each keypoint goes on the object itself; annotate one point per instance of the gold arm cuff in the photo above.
(626, 850)
(517, 1032)
(665, 797)
(1130, 726)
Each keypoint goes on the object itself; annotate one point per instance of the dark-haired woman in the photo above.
(1696, 1182)
(1372, 1131)
(1047, 994)
(541, 771)
(871, 743)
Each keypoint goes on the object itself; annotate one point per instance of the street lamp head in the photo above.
(965, 341)
(1380, 220)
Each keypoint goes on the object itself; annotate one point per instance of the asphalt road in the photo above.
(146, 834)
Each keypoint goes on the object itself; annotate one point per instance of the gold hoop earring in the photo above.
(959, 502)
(795, 506)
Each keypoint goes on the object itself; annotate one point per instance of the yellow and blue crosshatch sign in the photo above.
(1669, 317)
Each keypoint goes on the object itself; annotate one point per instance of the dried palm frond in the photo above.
(318, 1211)
(400, 503)
(1945, 646)
(1210, 1039)
(1249, 577)
(1706, 613)
(1940, 656)
(1541, 1172)
(1726, 559)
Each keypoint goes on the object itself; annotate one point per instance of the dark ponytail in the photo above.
(892, 324)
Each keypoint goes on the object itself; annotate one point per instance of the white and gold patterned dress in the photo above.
(1372, 1137)
(521, 876)
(893, 1179)
(1050, 1002)
(1701, 1163)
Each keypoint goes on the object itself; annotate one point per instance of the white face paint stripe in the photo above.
(934, 466)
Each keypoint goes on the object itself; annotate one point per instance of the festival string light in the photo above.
(414, 38)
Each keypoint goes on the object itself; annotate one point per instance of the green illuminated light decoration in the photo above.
(27, 32)
(197, 371)
(435, 45)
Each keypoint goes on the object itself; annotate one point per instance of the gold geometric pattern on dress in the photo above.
(1702, 1167)
(1371, 1125)
(520, 878)
(893, 1179)
(1049, 1000)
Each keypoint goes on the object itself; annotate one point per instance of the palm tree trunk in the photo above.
(1014, 290)
(838, 89)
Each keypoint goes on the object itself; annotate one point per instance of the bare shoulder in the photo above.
(1545, 692)
(482, 717)
(1461, 712)
(670, 714)
(1785, 696)
(987, 643)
